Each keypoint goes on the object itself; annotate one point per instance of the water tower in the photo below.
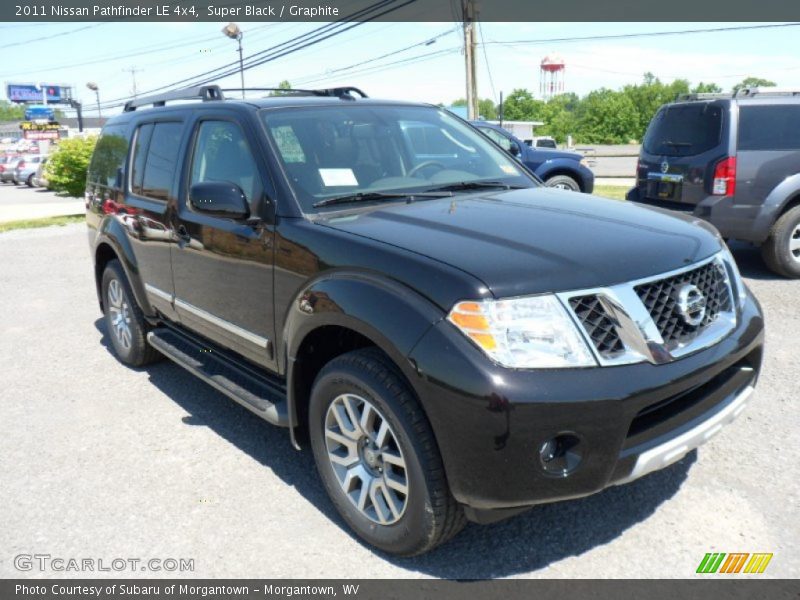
(551, 76)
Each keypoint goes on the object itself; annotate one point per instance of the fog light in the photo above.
(561, 455)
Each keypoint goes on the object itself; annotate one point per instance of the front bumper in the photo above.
(491, 422)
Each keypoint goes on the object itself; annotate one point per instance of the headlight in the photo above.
(739, 290)
(533, 332)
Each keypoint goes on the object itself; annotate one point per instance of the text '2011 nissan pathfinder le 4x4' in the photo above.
(453, 340)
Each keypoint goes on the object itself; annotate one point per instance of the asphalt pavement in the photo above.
(19, 202)
(102, 462)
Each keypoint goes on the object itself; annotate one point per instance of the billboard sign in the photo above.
(40, 135)
(33, 93)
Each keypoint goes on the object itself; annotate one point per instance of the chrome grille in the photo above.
(659, 297)
(598, 325)
(640, 321)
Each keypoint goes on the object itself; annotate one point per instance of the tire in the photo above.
(125, 323)
(424, 517)
(564, 182)
(29, 181)
(781, 251)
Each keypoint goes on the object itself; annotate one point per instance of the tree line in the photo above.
(602, 116)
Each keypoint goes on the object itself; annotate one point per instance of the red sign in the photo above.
(40, 135)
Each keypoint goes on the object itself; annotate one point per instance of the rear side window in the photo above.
(684, 130)
(108, 158)
(769, 127)
(155, 159)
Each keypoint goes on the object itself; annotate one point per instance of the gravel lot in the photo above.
(101, 461)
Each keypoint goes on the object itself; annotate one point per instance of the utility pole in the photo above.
(470, 43)
(133, 71)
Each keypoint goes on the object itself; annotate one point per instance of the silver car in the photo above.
(26, 168)
(7, 165)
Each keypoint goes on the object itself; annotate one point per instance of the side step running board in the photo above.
(266, 399)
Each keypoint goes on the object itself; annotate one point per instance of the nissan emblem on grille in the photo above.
(691, 304)
(664, 167)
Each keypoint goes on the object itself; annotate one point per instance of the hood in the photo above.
(543, 154)
(539, 239)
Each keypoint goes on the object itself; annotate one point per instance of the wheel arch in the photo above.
(346, 312)
(112, 244)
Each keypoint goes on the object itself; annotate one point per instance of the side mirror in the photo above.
(514, 149)
(219, 198)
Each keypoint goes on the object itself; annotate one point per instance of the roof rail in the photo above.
(702, 96)
(766, 91)
(338, 92)
(203, 92)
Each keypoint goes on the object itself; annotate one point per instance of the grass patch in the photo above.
(46, 222)
(615, 192)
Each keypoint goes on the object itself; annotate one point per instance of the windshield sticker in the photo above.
(508, 169)
(338, 177)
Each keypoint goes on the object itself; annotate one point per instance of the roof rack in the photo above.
(203, 92)
(345, 93)
(702, 96)
(766, 91)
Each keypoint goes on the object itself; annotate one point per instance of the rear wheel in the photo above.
(29, 181)
(125, 322)
(781, 251)
(377, 456)
(563, 182)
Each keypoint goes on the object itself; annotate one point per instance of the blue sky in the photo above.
(165, 52)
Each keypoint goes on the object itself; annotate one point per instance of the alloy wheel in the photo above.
(119, 314)
(367, 460)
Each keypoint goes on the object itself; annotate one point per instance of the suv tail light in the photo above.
(725, 177)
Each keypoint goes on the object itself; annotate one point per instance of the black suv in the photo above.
(452, 339)
(733, 160)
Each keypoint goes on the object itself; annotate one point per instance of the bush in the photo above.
(66, 167)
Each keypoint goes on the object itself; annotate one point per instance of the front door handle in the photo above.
(183, 234)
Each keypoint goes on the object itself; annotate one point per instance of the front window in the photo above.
(332, 151)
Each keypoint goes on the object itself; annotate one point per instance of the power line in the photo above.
(486, 60)
(639, 35)
(294, 45)
(27, 42)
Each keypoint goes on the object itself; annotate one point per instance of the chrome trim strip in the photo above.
(259, 341)
(635, 325)
(151, 289)
(673, 450)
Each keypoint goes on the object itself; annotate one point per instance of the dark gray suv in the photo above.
(733, 160)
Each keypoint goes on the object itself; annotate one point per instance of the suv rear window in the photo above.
(684, 130)
(769, 127)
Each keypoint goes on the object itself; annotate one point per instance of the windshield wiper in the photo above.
(476, 185)
(371, 196)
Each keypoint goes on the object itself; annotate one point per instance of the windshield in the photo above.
(335, 151)
(684, 130)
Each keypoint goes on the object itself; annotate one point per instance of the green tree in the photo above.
(11, 112)
(66, 167)
(520, 105)
(706, 88)
(649, 96)
(283, 85)
(486, 107)
(749, 82)
(559, 117)
(607, 117)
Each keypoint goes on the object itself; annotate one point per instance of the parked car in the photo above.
(733, 160)
(7, 167)
(453, 340)
(556, 168)
(543, 141)
(39, 179)
(26, 168)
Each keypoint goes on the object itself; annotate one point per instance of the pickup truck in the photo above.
(453, 340)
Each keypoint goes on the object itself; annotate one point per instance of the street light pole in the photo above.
(233, 31)
(96, 89)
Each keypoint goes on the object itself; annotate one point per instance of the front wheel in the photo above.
(377, 457)
(563, 182)
(29, 181)
(781, 251)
